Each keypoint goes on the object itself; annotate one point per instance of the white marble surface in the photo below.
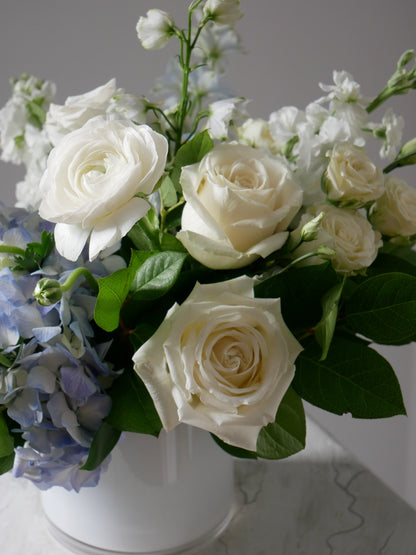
(319, 502)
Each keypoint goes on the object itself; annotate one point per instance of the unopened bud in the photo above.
(311, 229)
(48, 291)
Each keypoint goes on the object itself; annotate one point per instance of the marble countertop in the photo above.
(321, 501)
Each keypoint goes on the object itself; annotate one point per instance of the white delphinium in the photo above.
(214, 43)
(225, 116)
(390, 132)
(23, 115)
(155, 29)
(223, 12)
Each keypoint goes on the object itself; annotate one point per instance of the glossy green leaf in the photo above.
(301, 291)
(6, 440)
(353, 378)
(383, 308)
(234, 451)
(6, 463)
(157, 275)
(324, 331)
(132, 407)
(287, 434)
(103, 443)
(191, 152)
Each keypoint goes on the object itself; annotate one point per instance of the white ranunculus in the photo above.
(351, 178)
(155, 29)
(222, 361)
(345, 231)
(92, 178)
(77, 110)
(394, 214)
(239, 204)
(223, 12)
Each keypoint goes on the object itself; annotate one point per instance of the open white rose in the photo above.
(351, 178)
(395, 212)
(77, 110)
(345, 231)
(222, 361)
(92, 178)
(239, 203)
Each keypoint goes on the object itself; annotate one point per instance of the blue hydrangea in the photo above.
(54, 387)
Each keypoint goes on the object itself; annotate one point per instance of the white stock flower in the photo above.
(351, 178)
(225, 116)
(223, 12)
(239, 203)
(222, 361)
(256, 133)
(394, 214)
(345, 231)
(92, 179)
(345, 89)
(155, 29)
(390, 132)
(77, 110)
(285, 124)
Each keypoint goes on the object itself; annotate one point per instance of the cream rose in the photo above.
(222, 361)
(92, 178)
(239, 203)
(351, 178)
(395, 212)
(77, 110)
(345, 231)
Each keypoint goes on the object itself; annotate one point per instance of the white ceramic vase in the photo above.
(165, 495)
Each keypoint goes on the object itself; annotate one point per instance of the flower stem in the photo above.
(12, 250)
(76, 274)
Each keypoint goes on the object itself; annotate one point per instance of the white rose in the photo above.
(92, 178)
(223, 12)
(351, 178)
(395, 212)
(239, 203)
(222, 361)
(155, 29)
(345, 231)
(77, 110)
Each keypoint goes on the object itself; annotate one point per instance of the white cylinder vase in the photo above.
(164, 495)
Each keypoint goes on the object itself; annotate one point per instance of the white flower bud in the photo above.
(223, 12)
(155, 29)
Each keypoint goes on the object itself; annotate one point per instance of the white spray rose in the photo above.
(223, 12)
(351, 178)
(77, 110)
(155, 29)
(239, 203)
(394, 214)
(222, 361)
(345, 231)
(92, 178)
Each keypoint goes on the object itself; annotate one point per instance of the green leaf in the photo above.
(353, 378)
(300, 290)
(234, 451)
(6, 440)
(324, 331)
(144, 235)
(113, 291)
(35, 254)
(383, 308)
(191, 152)
(157, 275)
(386, 263)
(6, 463)
(287, 434)
(102, 444)
(168, 193)
(132, 406)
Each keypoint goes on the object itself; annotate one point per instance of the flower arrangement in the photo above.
(175, 260)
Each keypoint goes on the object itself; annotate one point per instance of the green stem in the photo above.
(76, 274)
(12, 250)
(300, 259)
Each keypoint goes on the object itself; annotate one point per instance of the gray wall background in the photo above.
(291, 46)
